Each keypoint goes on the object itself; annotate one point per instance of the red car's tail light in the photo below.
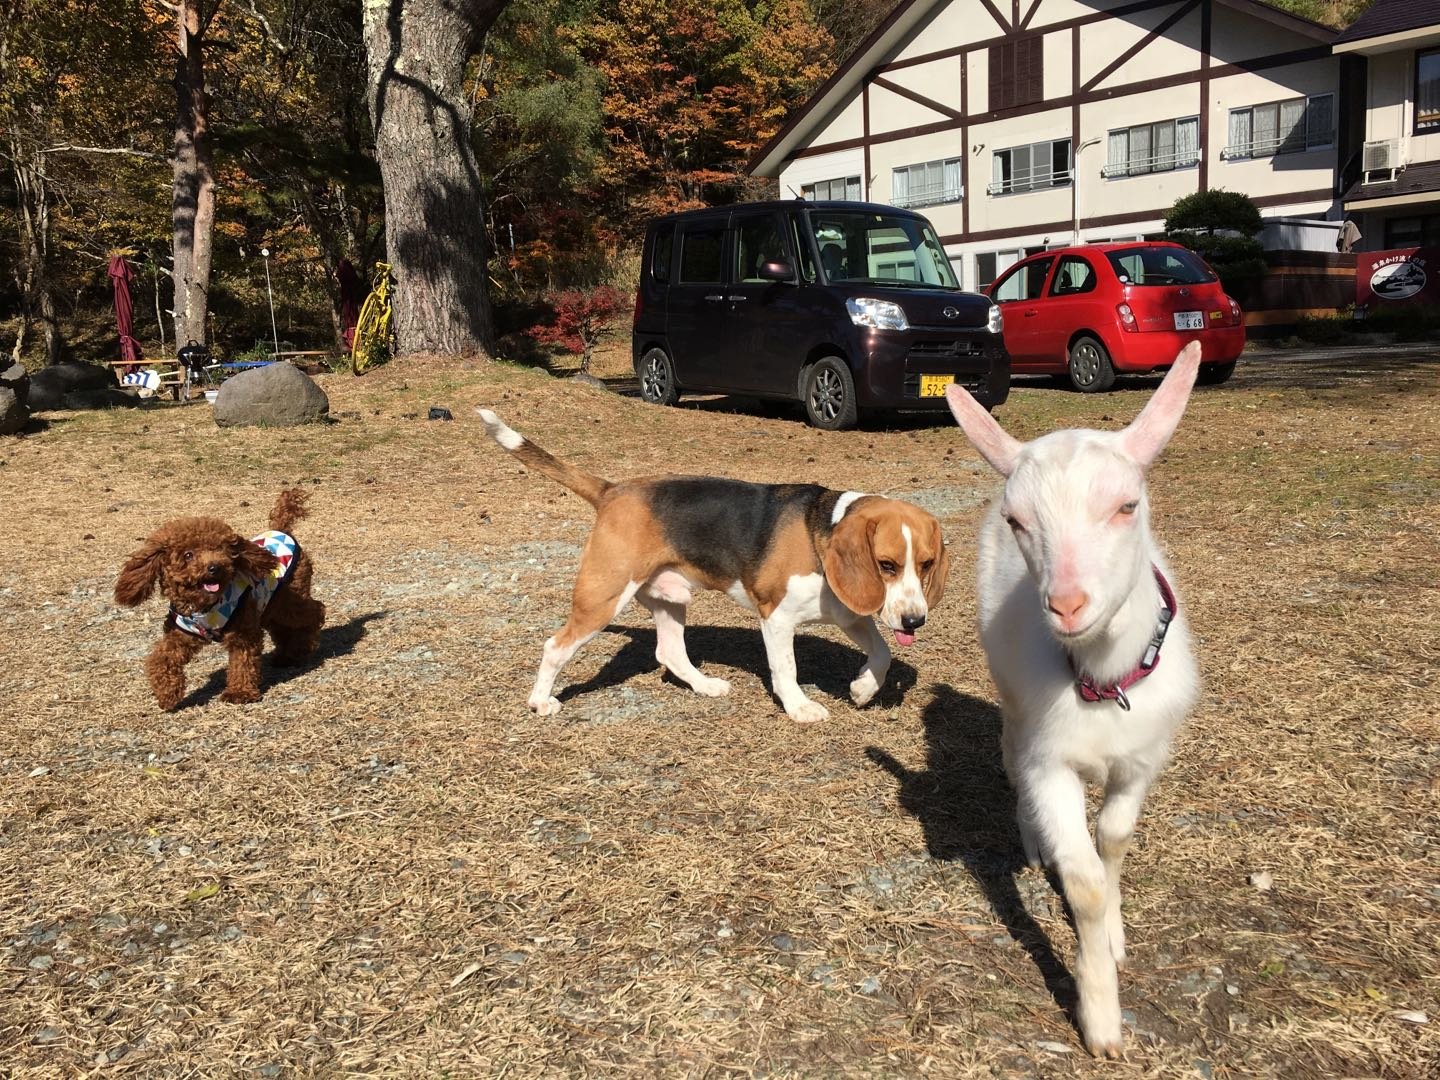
(1235, 309)
(1127, 318)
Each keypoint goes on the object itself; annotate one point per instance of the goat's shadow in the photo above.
(829, 666)
(967, 810)
(335, 641)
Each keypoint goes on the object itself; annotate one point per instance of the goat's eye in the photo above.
(1129, 508)
(187, 556)
(887, 567)
(1014, 523)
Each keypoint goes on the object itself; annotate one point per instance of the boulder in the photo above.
(52, 387)
(13, 413)
(277, 395)
(16, 378)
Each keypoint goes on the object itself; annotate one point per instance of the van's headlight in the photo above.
(996, 322)
(877, 314)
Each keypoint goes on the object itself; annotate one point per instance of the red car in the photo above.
(1096, 310)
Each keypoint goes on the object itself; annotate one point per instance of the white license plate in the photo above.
(1189, 320)
(934, 385)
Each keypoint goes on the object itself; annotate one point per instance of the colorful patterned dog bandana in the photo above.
(210, 624)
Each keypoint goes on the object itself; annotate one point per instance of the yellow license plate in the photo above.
(934, 385)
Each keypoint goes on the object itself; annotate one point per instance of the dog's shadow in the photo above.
(829, 666)
(335, 641)
(967, 810)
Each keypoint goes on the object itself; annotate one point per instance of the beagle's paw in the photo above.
(809, 712)
(864, 689)
(708, 687)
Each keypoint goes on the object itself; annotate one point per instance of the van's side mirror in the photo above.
(777, 270)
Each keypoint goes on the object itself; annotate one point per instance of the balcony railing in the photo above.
(929, 196)
(1279, 144)
(1155, 163)
(1034, 181)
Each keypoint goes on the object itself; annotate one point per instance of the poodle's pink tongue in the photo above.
(214, 586)
(902, 638)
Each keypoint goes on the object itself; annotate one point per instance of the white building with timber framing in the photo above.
(1020, 124)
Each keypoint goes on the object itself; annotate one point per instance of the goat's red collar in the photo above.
(1089, 690)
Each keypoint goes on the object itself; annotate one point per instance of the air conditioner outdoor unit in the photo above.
(1380, 161)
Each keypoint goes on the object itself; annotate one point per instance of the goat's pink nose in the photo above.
(1068, 604)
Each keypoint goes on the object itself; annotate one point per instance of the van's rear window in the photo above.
(660, 257)
(1159, 266)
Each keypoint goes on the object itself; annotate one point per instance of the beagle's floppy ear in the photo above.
(251, 559)
(935, 586)
(850, 565)
(139, 575)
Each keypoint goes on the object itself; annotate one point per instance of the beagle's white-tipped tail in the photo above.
(588, 487)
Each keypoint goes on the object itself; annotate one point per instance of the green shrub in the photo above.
(1322, 329)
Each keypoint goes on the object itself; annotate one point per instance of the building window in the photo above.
(1148, 148)
(847, 187)
(1030, 168)
(1282, 127)
(1427, 91)
(930, 184)
(1017, 72)
(1404, 232)
(991, 264)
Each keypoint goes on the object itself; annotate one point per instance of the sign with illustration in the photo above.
(1402, 276)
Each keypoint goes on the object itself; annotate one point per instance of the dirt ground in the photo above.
(389, 866)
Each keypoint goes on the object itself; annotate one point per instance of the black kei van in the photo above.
(840, 305)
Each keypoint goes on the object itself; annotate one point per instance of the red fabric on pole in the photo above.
(349, 300)
(120, 278)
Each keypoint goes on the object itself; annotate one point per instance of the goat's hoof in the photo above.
(809, 712)
(546, 706)
(707, 687)
(1104, 1038)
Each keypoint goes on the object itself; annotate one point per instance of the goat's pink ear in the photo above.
(987, 436)
(1151, 430)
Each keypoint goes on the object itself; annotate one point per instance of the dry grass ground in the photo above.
(389, 866)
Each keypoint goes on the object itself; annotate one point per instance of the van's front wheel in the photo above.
(657, 378)
(830, 395)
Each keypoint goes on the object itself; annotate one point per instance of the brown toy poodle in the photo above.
(229, 590)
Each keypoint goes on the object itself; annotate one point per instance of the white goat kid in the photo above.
(1074, 606)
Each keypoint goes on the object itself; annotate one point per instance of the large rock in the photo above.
(74, 386)
(277, 395)
(14, 390)
(13, 413)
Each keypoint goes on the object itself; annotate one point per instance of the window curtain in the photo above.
(999, 166)
(1163, 145)
(1141, 159)
(900, 186)
(952, 181)
(1021, 174)
(852, 187)
(1117, 153)
(1187, 141)
(1240, 134)
(1292, 126)
(1266, 128)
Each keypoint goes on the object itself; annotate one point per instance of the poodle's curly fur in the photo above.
(187, 554)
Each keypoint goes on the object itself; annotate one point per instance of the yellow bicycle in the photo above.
(373, 344)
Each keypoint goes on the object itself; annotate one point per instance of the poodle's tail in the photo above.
(289, 508)
(590, 488)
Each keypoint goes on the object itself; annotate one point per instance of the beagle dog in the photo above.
(794, 553)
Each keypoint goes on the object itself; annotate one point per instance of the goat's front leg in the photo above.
(165, 666)
(1028, 838)
(778, 631)
(1055, 801)
(1114, 829)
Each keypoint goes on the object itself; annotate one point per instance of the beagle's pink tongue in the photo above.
(211, 586)
(902, 638)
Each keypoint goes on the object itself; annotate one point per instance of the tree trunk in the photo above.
(193, 200)
(37, 301)
(434, 225)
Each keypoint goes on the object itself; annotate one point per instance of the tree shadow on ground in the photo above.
(829, 666)
(967, 811)
(335, 641)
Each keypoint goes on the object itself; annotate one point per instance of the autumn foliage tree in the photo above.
(582, 319)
